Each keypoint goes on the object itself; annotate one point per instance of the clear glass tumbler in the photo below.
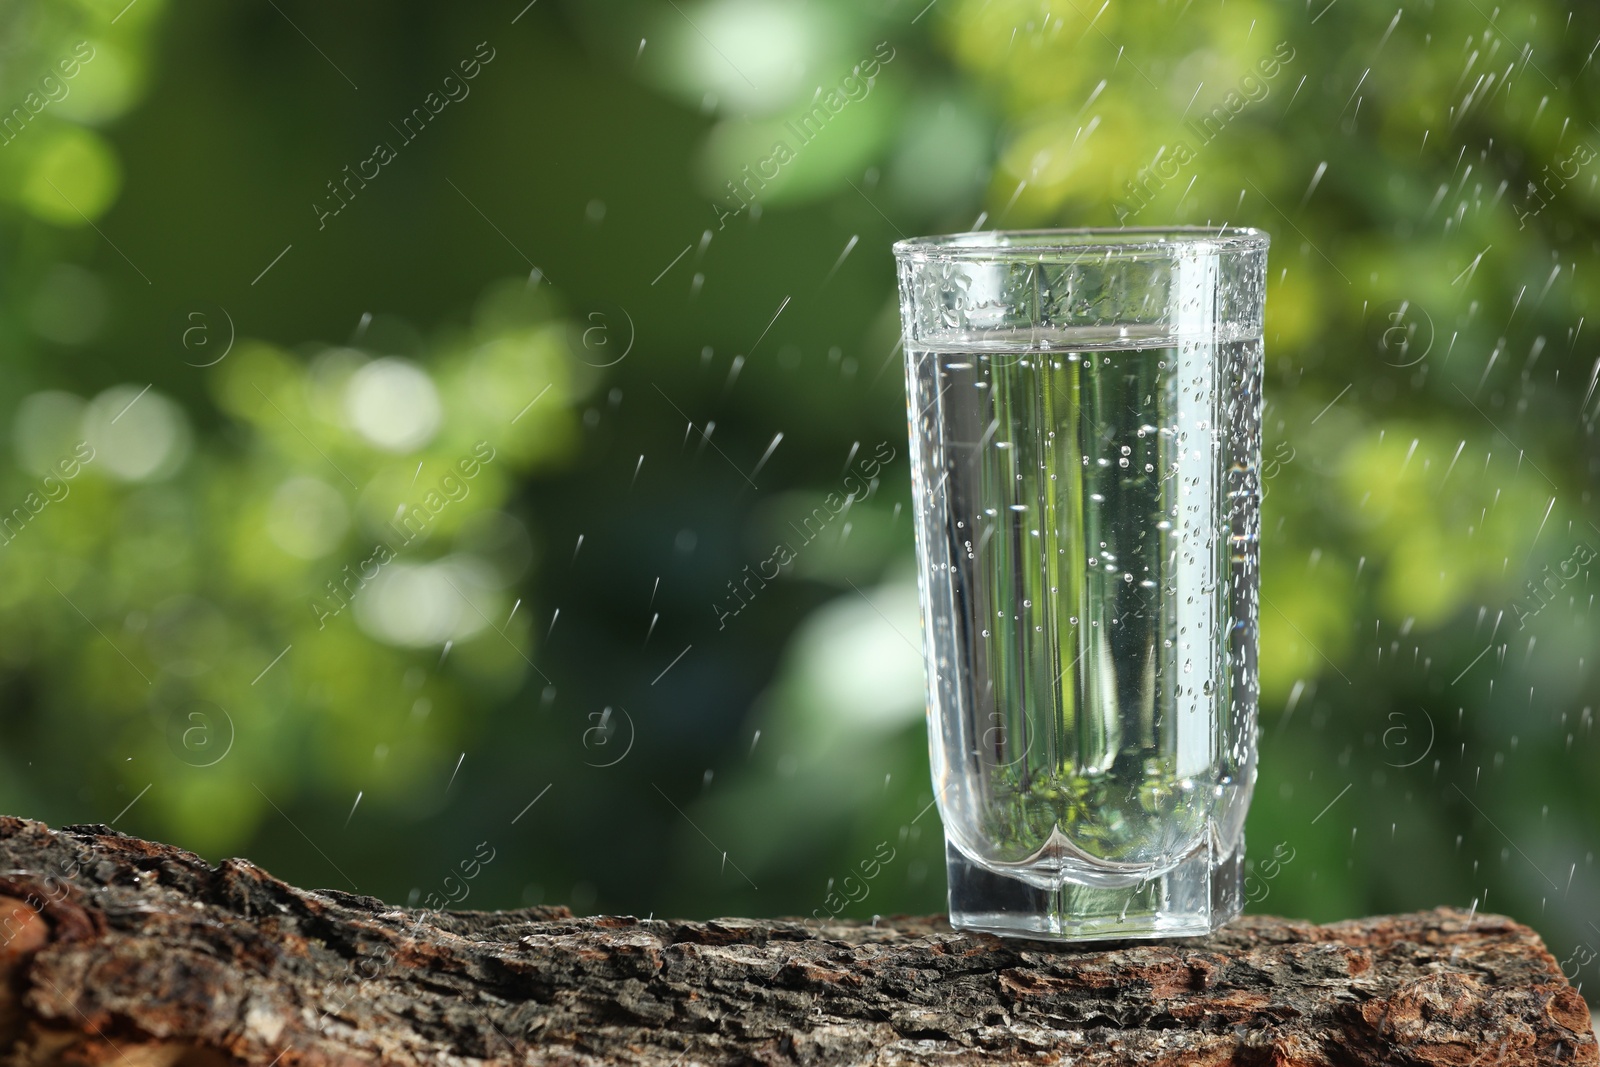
(1085, 413)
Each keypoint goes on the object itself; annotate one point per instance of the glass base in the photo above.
(1194, 898)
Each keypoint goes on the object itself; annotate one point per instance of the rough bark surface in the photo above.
(115, 950)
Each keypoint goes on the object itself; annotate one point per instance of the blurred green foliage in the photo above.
(552, 636)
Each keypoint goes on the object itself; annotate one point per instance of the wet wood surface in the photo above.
(115, 950)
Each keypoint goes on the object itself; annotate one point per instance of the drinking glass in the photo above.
(1085, 416)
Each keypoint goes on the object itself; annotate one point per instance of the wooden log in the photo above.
(115, 950)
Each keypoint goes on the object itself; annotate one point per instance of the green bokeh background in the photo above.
(560, 236)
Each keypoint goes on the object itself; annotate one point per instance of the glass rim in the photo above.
(1141, 242)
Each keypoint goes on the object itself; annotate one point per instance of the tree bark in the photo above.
(115, 950)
